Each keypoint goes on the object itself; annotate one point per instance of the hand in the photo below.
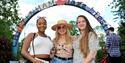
(37, 61)
(86, 61)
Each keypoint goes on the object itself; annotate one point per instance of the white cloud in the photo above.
(24, 10)
(98, 5)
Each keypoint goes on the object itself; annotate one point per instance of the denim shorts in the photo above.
(57, 60)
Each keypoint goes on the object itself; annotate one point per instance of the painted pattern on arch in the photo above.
(52, 3)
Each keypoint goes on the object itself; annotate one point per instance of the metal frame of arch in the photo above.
(52, 3)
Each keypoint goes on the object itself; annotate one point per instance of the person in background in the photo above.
(62, 43)
(37, 46)
(113, 46)
(86, 44)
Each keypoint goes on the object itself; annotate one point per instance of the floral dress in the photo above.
(63, 50)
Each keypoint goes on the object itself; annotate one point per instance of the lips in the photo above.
(42, 28)
(81, 25)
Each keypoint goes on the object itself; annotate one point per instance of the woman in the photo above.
(85, 45)
(62, 43)
(38, 44)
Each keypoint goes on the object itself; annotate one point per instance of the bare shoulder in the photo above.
(29, 37)
(30, 34)
(27, 41)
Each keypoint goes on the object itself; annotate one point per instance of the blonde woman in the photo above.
(85, 46)
(62, 43)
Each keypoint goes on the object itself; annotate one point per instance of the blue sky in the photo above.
(56, 13)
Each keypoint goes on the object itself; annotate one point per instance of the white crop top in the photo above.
(42, 45)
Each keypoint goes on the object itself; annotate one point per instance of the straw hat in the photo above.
(61, 22)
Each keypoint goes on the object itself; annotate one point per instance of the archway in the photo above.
(52, 3)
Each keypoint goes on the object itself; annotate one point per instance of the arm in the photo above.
(91, 56)
(108, 42)
(25, 47)
(52, 52)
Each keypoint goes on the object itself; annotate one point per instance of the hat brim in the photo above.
(69, 26)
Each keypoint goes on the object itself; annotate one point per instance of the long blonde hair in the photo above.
(67, 37)
(84, 46)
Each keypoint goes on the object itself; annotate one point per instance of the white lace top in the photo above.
(93, 45)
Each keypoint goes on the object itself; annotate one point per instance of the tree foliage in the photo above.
(8, 17)
(121, 31)
(5, 50)
(8, 20)
(119, 5)
(119, 12)
(74, 30)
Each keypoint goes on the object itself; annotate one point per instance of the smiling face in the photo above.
(81, 23)
(41, 25)
(61, 29)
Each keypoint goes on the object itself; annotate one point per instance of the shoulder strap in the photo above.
(49, 37)
(33, 44)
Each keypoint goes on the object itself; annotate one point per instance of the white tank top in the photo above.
(42, 45)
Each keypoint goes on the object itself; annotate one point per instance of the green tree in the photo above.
(121, 31)
(100, 53)
(5, 50)
(8, 21)
(74, 30)
(119, 6)
(8, 17)
(20, 57)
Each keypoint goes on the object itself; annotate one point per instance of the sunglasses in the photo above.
(61, 27)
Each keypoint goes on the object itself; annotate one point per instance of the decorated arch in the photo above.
(49, 4)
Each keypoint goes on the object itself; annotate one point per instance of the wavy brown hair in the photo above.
(84, 46)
